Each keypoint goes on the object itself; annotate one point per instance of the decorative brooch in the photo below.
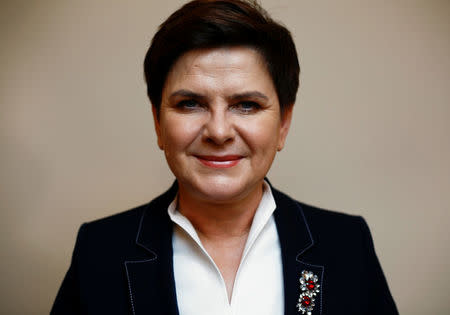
(310, 288)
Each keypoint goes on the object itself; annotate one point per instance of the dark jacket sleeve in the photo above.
(67, 301)
(380, 298)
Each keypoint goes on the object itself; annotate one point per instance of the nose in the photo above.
(219, 127)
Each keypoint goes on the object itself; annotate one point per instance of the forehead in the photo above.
(220, 68)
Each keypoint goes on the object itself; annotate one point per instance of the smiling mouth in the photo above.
(225, 161)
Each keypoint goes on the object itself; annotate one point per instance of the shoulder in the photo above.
(327, 228)
(319, 217)
(118, 233)
(324, 221)
(129, 221)
(337, 232)
(125, 223)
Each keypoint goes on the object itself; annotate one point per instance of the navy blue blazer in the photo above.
(123, 264)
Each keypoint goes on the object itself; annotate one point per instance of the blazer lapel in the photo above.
(295, 239)
(151, 282)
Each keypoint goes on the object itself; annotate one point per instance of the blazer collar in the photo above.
(151, 281)
(155, 228)
(293, 229)
(295, 240)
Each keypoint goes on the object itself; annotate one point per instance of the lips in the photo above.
(225, 161)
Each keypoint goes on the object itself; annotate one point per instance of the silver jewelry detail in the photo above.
(310, 288)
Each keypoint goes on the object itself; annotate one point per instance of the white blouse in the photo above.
(258, 286)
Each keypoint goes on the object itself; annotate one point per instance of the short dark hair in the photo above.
(218, 23)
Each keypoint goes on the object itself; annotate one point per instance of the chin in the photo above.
(222, 190)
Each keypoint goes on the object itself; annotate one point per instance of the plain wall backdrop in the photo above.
(370, 133)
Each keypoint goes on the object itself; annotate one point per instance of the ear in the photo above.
(284, 127)
(157, 127)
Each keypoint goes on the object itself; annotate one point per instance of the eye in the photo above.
(188, 104)
(247, 107)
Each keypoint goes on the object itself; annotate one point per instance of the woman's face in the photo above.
(219, 123)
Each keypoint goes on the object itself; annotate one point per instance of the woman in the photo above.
(222, 78)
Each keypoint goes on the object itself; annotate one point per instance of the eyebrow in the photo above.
(249, 94)
(236, 96)
(186, 93)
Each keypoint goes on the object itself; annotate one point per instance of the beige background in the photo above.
(370, 134)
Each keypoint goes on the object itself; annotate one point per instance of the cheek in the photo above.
(177, 133)
(262, 135)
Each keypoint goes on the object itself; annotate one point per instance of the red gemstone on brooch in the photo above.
(306, 301)
(310, 284)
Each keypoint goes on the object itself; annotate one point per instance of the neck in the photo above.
(218, 221)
